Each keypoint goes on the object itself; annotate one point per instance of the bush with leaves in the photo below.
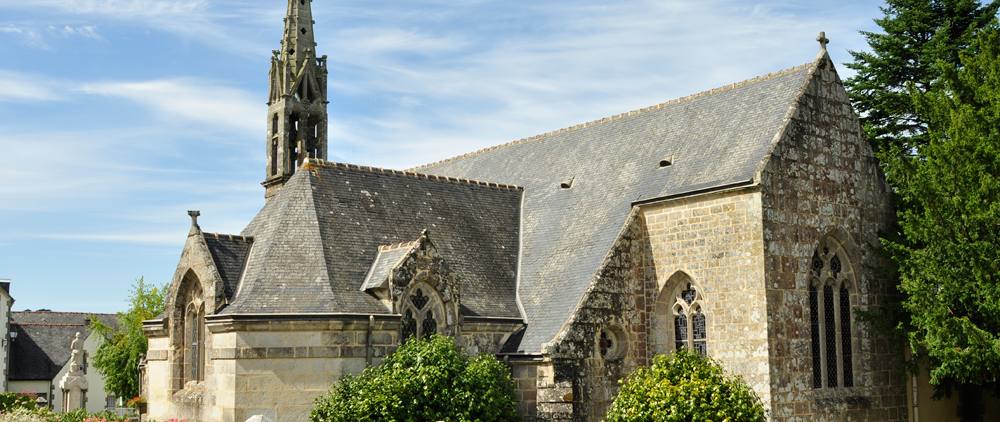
(425, 380)
(684, 386)
(118, 357)
(12, 401)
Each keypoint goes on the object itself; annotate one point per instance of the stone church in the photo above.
(742, 223)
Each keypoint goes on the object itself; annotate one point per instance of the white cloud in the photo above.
(199, 101)
(158, 238)
(15, 86)
(82, 31)
(468, 88)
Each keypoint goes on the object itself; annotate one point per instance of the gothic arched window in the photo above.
(690, 331)
(188, 335)
(832, 288)
(194, 349)
(423, 313)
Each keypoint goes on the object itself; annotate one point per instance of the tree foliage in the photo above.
(917, 35)
(684, 386)
(118, 357)
(425, 380)
(949, 190)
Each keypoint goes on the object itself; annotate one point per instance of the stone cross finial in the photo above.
(194, 221)
(823, 40)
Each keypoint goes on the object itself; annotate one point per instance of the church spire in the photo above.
(297, 116)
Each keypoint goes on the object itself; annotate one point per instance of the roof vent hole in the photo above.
(567, 184)
(667, 162)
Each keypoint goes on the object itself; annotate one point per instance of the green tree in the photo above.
(684, 386)
(949, 252)
(125, 344)
(917, 35)
(425, 380)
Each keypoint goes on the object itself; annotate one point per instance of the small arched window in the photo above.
(194, 348)
(188, 335)
(423, 313)
(690, 331)
(832, 289)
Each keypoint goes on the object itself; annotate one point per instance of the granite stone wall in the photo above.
(822, 180)
(577, 382)
(714, 242)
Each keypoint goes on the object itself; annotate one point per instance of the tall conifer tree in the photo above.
(949, 254)
(917, 34)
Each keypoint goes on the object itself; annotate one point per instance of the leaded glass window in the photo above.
(830, 290)
(845, 336)
(830, 334)
(690, 328)
(422, 313)
(680, 330)
(817, 369)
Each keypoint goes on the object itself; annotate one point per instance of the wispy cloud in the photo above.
(161, 238)
(198, 101)
(197, 20)
(446, 91)
(16, 86)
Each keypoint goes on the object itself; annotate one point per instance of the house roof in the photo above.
(714, 139)
(42, 345)
(230, 254)
(316, 240)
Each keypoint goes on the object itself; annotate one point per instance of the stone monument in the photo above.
(74, 383)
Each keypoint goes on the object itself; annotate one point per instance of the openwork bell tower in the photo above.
(297, 118)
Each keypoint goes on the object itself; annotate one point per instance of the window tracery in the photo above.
(690, 331)
(831, 290)
(422, 313)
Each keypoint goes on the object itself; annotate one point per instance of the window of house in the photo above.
(832, 288)
(423, 313)
(188, 333)
(611, 343)
(194, 351)
(690, 331)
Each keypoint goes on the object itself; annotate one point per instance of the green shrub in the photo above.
(684, 386)
(11, 401)
(425, 380)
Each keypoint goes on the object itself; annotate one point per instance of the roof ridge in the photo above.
(60, 312)
(608, 119)
(230, 236)
(312, 163)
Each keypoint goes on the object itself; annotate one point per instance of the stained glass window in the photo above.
(688, 295)
(690, 331)
(680, 330)
(817, 368)
(698, 331)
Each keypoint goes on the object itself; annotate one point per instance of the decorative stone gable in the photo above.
(414, 281)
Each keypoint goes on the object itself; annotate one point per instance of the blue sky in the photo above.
(117, 116)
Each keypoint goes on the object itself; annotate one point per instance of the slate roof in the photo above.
(714, 139)
(230, 254)
(41, 348)
(315, 241)
(388, 258)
